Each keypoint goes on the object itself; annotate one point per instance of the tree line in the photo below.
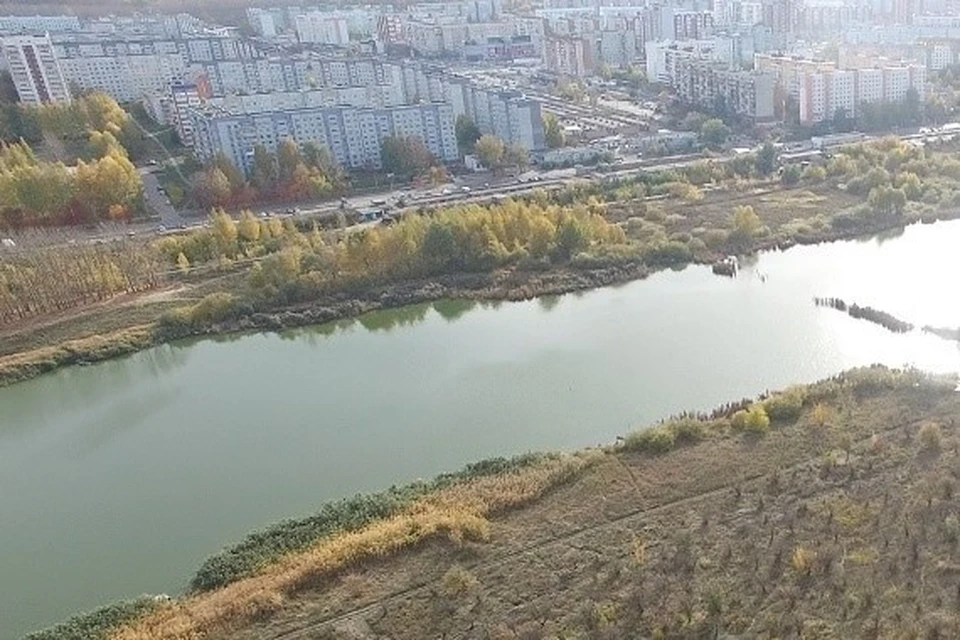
(292, 173)
(289, 263)
(58, 275)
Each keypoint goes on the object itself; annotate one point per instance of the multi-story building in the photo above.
(692, 25)
(789, 72)
(712, 87)
(35, 69)
(617, 48)
(172, 108)
(662, 57)
(570, 56)
(826, 94)
(353, 136)
(390, 29)
(263, 22)
(38, 24)
(508, 115)
(318, 27)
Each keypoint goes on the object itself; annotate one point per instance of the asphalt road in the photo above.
(157, 201)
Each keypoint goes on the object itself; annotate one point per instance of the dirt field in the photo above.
(847, 530)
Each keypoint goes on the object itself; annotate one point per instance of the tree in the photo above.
(887, 201)
(766, 159)
(225, 231)
(714, 133)
(183, 264)
(263, 175)
(515, 155)
(746, 221)
(405, 155)
(211, 188)
(490, 151)
(467, 133)
(248, 228)
(288, 158)
(552, 131)
(439, 249)
(791, 175)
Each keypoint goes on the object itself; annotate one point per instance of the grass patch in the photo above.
(96, 625)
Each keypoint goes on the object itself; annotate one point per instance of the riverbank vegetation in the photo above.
(822, 520)
(596, 231)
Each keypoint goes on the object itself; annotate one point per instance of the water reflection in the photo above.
(84, 389)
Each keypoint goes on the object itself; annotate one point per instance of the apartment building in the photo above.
(661, 57)
(292, 74)
(714, 88)
(352, 135)
(789, 72)
(35, 69)
(568, 55)
(173, 106)
(38, 24)
(692, 25)
(826, 93)
(318, 27)
(508, 115)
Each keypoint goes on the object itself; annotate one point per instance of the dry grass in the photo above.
(459, 512)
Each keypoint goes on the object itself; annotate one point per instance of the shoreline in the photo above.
(508, 284)
(248, 585)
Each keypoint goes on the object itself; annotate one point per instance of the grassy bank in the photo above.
(828, 501)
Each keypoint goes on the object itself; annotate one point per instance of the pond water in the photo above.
(120, 478)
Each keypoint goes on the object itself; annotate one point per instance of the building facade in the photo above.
(35, 69)
(38, 24)
(318, 27)
(719, 90)
(508, 115)
(352, 135)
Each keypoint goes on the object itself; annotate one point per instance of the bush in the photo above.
(786, 405)
(715, 238)
(98, 624)
(668, 254)
(688, 430)
(655, 440)
(930, 437)
(752, 420)
(457, 581)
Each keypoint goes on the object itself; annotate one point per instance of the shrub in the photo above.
(820, 415)
(688, 430)
(457, 581)
(98, 624)
(802, 560)
(668, 254)
(715, 238)
(786, 405)
(930, 437)
(752, 420)
(655, 440)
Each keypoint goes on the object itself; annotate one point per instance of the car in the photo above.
(446, 191)
(152, 163)
(291, 211)
(264, 214)
(465, 189)
(161, 228)
(131, 234)
(378, 203)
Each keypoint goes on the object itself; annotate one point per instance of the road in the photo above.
(157, 201)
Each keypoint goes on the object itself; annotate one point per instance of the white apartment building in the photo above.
(38, 24)
(353, 136)
(824, 93)
(318, 27)
(172, 108)
(663, 56)
(35, 69)
(508, 115)
(617, 48)
(125, 77)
